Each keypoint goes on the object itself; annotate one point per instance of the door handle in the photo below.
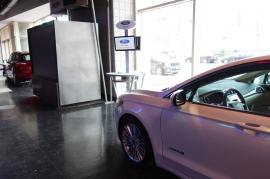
(252, 128)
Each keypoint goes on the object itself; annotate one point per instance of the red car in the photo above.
(19, 67)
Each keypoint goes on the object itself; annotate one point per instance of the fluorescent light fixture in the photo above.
(9, 6)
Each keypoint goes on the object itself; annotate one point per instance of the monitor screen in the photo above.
(125, 43)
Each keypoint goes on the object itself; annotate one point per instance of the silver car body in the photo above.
(201, 141)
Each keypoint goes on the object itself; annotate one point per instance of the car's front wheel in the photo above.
(135, 143)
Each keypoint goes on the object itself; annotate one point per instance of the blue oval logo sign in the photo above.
(125, 22)
(124, 41)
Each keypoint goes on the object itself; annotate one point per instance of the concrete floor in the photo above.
(39, 142)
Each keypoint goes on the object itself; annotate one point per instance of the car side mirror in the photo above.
(178, 98)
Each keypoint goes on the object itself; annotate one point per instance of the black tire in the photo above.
(141, 140)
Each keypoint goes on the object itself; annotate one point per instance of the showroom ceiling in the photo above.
(22, 10)
(14, 7)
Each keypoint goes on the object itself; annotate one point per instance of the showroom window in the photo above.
(142, 4)
(6, 42)
(180, 40)
(166, 50)
(229, 30)
(6, 49)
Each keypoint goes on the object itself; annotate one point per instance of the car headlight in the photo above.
(119, 102)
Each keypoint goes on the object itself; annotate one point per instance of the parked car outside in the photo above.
(208, 59)
(19, 67)
(234, 57)
(214, 125)
(204, 59)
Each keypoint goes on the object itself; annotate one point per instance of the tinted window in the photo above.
(26, 57)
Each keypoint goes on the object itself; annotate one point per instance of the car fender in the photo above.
(149, 117)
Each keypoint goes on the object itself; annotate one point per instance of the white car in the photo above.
(215, 125)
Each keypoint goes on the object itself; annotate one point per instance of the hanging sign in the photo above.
(126, 24)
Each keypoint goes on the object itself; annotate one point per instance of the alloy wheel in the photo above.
(134, 143)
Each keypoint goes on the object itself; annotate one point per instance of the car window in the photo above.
(26, 57)
(237, 92)
(259, 79)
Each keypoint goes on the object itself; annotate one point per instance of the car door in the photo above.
(216, 141)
